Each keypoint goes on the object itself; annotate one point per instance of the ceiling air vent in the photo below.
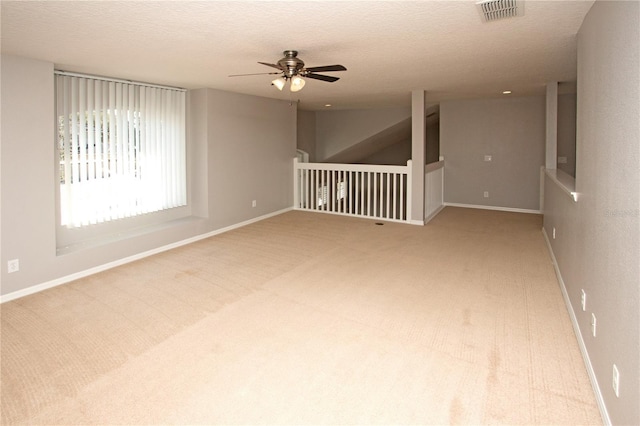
(493, 10)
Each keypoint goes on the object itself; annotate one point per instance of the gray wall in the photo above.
(251, 144)
(567, 132)
(397, 155)
(338, 130)
(433, 140)
(240, 149)
(306, 133)
(512, 131)
(597, 244)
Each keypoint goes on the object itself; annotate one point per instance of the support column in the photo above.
(418, 155)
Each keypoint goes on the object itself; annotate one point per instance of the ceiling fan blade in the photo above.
(257, 73)
(328, 78)
(327, 68)
(271, 65)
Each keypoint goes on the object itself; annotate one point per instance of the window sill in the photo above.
(564, 181)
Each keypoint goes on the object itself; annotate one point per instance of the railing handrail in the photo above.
(352, 167)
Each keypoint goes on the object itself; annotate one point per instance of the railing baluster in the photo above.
(368, 195)
(337, 185)
(401, 196)
(381, 192)
(299, 187)
(388, 195)
(357, 196)
(395, 195)
(323, 193)
(310, 205)
(362, 192)
(343, 200)
(338, 199)
(327, 201)
(319, 190)
(348, 196)
(305, 183)
(314, 190)
(330, 190)
(333, 190)
(375, 194)
(353, 194)
(303, 189)
(306, 188)
(310, 186)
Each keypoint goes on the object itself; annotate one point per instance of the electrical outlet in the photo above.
(486, 194)
(487, 158)
(13, 266)
(593, 324)
(616, 381)
(254, 203)
(583, 300)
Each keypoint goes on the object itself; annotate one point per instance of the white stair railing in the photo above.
(373, 191)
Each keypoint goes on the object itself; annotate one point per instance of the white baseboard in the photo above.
(63, 280)
(434, 214)
(576, 328)
(503, 209)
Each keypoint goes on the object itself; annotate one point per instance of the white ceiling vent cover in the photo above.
(493, 10)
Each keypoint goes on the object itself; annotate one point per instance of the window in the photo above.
(121, 149)
(340, 191)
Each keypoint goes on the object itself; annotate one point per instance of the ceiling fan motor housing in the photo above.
(290, 64)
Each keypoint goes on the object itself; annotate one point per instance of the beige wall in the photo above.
(240, 149)
(597, 244)
(512, 131)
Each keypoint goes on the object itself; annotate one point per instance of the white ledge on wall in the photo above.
(565, 181)
(433, 166)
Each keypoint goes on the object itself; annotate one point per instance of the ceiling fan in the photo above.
(292, 68)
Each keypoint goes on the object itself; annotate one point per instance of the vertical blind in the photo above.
(121, 148)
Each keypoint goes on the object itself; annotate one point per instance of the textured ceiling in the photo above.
(389, 47)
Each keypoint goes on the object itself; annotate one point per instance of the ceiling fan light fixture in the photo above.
(297, 83)
(279, 82)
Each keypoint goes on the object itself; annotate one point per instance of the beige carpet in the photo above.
(307, 318)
